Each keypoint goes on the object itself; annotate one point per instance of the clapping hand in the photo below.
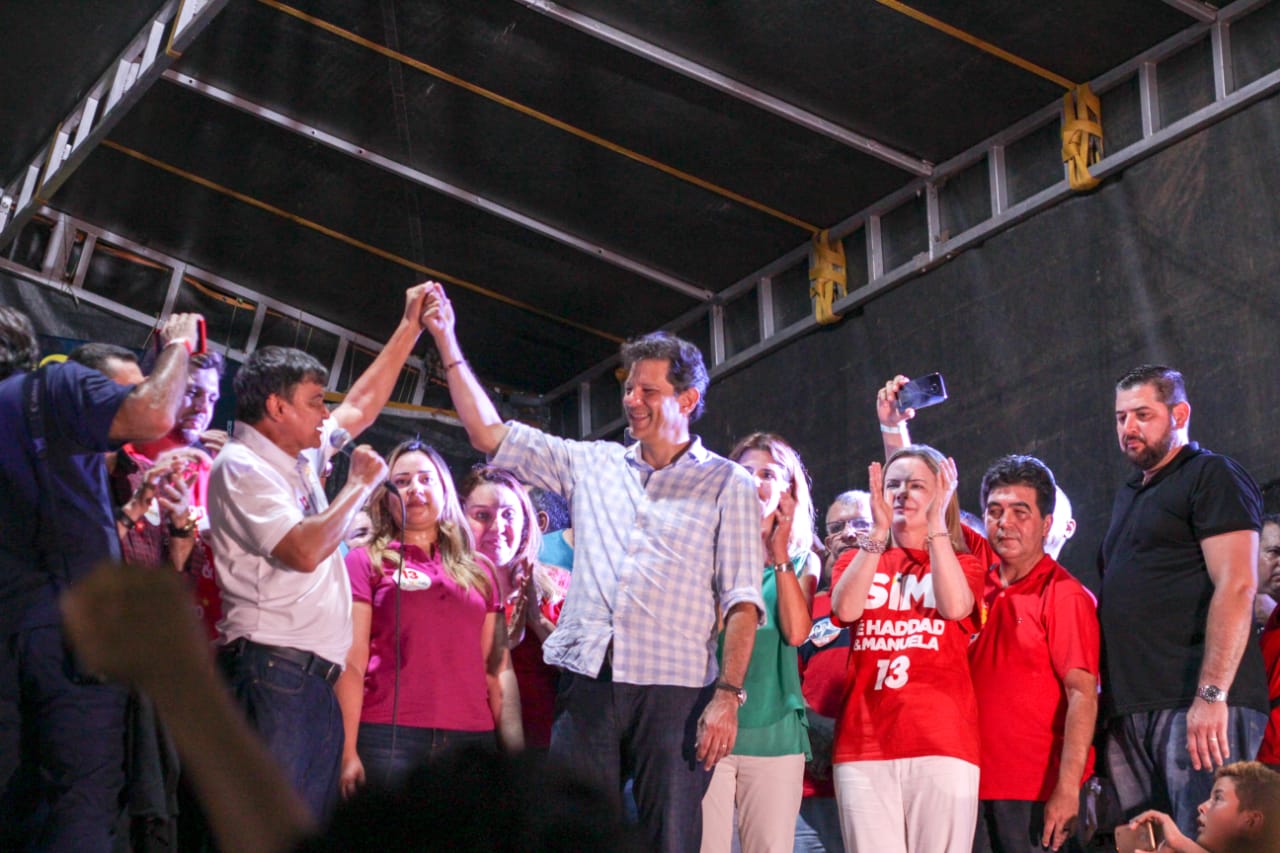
(948, 480)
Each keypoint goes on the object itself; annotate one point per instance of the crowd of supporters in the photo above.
(598, 645)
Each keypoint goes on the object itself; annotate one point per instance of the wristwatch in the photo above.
(740, 692)
(1211, 693)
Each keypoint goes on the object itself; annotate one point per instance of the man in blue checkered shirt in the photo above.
(667, 538)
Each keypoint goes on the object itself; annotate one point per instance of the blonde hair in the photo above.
(453, 534)
(530, 537)
(935, 460)
(803, 518)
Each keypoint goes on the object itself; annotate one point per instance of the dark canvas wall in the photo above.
(1177, 260)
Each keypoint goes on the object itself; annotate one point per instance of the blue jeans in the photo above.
(603, 729)
(818, 826)
(68, 735)
(413, 746)
(297, 717)
(1150, 768)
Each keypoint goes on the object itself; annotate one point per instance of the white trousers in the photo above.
(907, 805)
(767, 792)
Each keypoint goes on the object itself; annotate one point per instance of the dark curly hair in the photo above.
(687, 369)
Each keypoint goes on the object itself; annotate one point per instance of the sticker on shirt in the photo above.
(823, 633)
(410, 579)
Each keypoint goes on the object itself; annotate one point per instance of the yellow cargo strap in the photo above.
(1081, 136)
(826, 274)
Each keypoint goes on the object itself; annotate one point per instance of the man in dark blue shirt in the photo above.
(56, 522)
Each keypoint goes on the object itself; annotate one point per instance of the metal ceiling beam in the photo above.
(124, 82)
(437, 184)
(1156, 137)
(702, 74)
(1196, 9)
(56, 273)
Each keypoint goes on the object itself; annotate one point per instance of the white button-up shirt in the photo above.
(256, 496)
(655, 552)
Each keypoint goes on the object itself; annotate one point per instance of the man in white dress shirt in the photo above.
(286, 599)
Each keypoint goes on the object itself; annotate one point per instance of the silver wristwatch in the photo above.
(739, 692)
(1211, 693)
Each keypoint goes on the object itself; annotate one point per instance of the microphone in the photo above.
(340, 441)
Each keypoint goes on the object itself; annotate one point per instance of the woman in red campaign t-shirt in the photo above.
(429, 669)
(506, 531)
(906, 748)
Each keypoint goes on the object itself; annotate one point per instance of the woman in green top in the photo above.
(763, 776)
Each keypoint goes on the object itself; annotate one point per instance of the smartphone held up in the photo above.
(921, 392)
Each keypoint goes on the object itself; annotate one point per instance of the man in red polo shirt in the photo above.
(1034, 668)
(1269, 585)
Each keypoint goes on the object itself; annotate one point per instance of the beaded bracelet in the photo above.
(872, 546)
(129, 523)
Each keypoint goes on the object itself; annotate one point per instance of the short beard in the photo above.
(1150, 454)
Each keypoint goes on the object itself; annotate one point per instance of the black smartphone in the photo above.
(921, 392)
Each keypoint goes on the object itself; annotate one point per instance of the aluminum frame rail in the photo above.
(133, 72)
(56, 273)
(437, 184)
(941, 247)
(714, 79)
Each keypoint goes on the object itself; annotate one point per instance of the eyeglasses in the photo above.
(837, 527)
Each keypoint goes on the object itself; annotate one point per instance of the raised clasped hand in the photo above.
(437, 312)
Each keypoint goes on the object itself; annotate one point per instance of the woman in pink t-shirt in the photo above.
(429, 668)
(506, 531)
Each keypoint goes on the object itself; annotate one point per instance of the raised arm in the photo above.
(1232, 560)
(849, 595)
(151, 407)
(893, 424)
(483, 423)
(950, 586)
(369, 393)
(795, 588)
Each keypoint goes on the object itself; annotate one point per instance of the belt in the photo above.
(311, 664)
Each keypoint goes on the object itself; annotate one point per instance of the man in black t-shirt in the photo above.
(1183, 683)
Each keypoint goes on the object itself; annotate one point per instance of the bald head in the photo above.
(1063, 527)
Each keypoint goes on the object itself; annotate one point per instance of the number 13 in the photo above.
(892, 672)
